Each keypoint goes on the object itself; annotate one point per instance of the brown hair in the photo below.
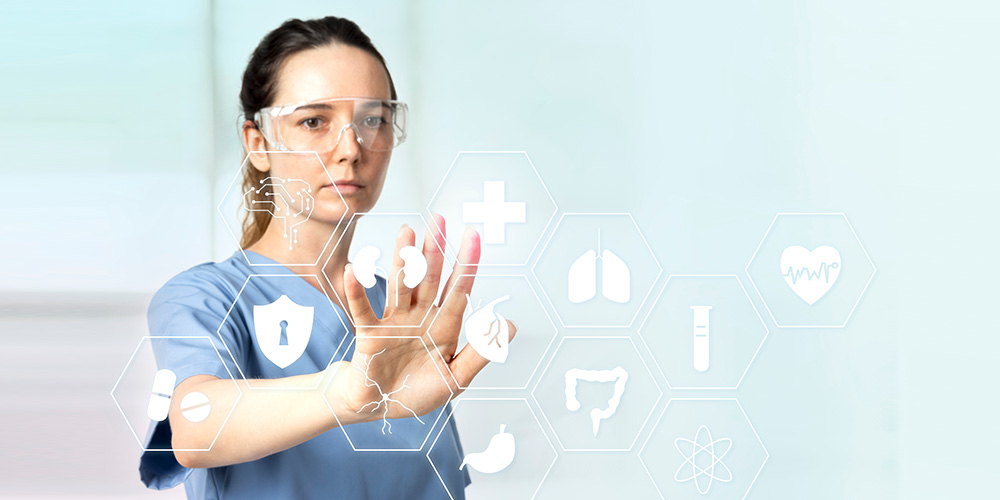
(260, 81)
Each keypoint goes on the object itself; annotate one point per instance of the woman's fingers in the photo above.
(468, 363)
(464, 272)
(357, 300)
(427, 290)
(448, 323)
(399, 295)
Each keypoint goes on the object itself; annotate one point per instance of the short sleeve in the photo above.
(184, 321)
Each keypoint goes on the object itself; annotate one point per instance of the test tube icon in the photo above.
(701, 337)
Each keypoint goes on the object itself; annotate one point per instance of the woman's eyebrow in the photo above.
(320, 105)
(373, 104)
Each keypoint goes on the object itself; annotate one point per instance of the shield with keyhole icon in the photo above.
(282, 329)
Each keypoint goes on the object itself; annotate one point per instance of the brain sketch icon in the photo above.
(289, 201)
(618, 375)
(703, 460)
(386, 397)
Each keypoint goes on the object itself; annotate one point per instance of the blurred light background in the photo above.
(703, 119)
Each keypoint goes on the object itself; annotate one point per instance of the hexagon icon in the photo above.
(703, 448)
(371, 254)
(507, 453)
(299, 333)
(810, 270)
(596, 269)
(308, 192)
(509, 297)
(144, 394)
(392, 434)
(500, 194)
(596, 393)
(703, 331)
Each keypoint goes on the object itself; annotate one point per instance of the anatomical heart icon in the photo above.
(487, 331)
(282, 329)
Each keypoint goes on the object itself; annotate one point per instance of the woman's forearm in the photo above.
(271, 417)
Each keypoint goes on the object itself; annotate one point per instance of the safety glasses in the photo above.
(378, 125)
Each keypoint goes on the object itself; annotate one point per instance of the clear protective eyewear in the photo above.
(379, 125)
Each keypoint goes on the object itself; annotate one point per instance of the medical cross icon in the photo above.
(493, 212)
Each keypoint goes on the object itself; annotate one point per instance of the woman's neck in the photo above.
(302, 250)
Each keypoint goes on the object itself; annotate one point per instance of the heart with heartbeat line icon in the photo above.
(810, 274)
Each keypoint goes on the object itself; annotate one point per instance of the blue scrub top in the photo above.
(195, 303)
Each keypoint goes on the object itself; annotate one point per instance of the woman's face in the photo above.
(358, 173)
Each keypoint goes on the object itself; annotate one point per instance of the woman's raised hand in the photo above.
(390, 358)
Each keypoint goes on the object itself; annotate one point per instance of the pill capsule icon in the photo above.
(195, 407)
(159, 400)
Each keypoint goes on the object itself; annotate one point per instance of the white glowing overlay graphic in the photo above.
(618, 375)
(283, 329)
(387, 397)
(810, 274)
(615, 277)
(496, 457)
(494, 212)
(487, 331)
(703, 460)
(289, 201)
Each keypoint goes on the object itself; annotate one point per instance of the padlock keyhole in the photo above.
(284, 333)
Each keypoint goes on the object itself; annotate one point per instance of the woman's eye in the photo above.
(373, 121)
(311, 123)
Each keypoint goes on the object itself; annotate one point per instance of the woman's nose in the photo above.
(347, 147)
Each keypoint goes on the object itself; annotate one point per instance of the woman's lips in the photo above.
(345, 188)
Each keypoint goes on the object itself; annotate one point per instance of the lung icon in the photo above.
(615, 278)
(282, 329)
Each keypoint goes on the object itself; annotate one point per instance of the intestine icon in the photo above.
(618, 375)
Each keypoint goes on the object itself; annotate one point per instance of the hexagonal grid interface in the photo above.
(372, 250)
(306, 192)
(300, 333)
(703, 331)
(596, 393)
(136, 394)
(596, 270)
(491, 431)
(393, 434)
(501, 194)
(496, 296)
(703, 448)
(810, 270)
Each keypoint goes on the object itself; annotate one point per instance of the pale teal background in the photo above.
(703, 119)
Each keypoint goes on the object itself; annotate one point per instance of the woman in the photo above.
(283, 443)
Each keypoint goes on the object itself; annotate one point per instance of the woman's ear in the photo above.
(253, 144)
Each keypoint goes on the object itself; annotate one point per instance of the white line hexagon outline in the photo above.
(659, 419)
(555, 207)
(229, 312)
(656, 363)
(335, 245)
(541, 427)
(746, 269)
(639, 306)
(548, 347)
(239, 174)
(652, 378)
(429, 429)
(129, 363)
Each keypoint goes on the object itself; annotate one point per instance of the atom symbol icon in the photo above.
(701, 463)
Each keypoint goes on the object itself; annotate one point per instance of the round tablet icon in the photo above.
(195, 407)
